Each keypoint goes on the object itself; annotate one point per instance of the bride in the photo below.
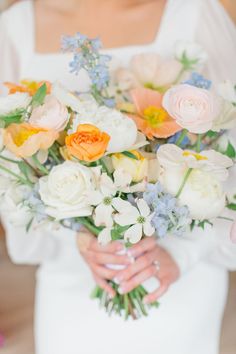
(193, 269)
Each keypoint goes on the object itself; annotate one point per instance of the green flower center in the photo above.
(107, 200)
(141, 219)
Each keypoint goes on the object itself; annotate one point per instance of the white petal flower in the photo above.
(191, 51)
(227, 91)
(14, 101)
(139, 219)
(105, 236)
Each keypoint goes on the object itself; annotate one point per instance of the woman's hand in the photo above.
(151, 261)
(98, 257)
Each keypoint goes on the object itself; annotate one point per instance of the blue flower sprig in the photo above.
(87, 56)
(169, 217)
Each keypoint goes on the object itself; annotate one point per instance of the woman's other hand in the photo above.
(150, 261)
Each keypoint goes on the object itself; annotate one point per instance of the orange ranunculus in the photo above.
(88, 143)
(151, 118)
(24, 140)
(29, 87)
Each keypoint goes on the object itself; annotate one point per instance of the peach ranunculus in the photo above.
(27, 86)
(88, 143)
(24, 140)
(148, 70)
(50, 115)
(193, 108)
(151, 118)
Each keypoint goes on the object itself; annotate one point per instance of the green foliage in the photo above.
(230, 151)
(39, 96)
(130, 155)
(231, 206)
(12, 117)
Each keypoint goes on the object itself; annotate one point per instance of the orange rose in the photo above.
(24, 140)
(29, 87)
(88, 143)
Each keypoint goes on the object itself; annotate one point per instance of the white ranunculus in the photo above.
(64, 190)
(202, 194)
(65, 97)
(14, 101)
(121, 129)
(191, 51)
(227, 91)
(203, 191)
(226, 119)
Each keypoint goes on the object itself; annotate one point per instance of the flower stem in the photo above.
(181, 137)
(19, 178)
(40, 166)
(54, 156)
(183, 183)
(199, 140)
(9, 160)
(95, 230)
(180, 74)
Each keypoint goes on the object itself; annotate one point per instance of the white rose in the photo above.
(14, 101)
(191, 51)
(227, 91)
(121, 129)
(64, 190)
(202, 193)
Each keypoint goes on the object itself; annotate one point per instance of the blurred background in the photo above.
(17, 291)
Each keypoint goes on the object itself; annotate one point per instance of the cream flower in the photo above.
(139, 218)
(14, 101)
(64, 190)
(203, 191)
(193, 108)
(227, 91)
(104, 236)
(190, 51)
(50, 115)
(110, 121)
(65, 97)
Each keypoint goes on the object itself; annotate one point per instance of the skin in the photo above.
(110, 20)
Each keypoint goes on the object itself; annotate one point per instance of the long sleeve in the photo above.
(217, 34)
(42, 244)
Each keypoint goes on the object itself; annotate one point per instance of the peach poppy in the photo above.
(27, 86)
(24, 140)
(88, 143)
(151, 118)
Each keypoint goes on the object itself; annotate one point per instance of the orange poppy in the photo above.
(27, 86)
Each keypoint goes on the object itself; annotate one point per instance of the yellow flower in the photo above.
(137, 168)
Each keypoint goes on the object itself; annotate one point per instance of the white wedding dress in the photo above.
(66, 320)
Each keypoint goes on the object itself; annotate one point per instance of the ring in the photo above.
(157, 265)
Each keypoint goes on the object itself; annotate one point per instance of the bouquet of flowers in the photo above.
(138, 154)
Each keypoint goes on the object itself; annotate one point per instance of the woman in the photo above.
(67, 321)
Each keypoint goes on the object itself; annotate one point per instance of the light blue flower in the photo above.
(199, 81)
(168, 216)
(173, 139)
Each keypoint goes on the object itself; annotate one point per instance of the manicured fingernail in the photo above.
(111, 296)
(116, 280)
(130, 256)
(120, 290)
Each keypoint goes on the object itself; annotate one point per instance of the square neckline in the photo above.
(132, 47)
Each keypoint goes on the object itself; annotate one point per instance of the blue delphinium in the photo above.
(199, 81)
(86, 56)
(168, 216)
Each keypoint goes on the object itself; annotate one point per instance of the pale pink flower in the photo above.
(51, 115)
(193, 108)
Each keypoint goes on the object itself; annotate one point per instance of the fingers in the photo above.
(103, 272)
(104, 285)
(155, 295)
(138, 279)
(139, 265)
(143, 246)
(106, 258)
(112, 247)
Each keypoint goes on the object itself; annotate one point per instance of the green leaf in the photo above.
(203, 223)
(12, 117)
(130, 155)
(192, 225)
(231, 206)
(212, 134)
(25, 169)
(230, 151)
(28, 226)
(39, 96)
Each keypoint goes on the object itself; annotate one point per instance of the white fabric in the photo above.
(67, 321)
